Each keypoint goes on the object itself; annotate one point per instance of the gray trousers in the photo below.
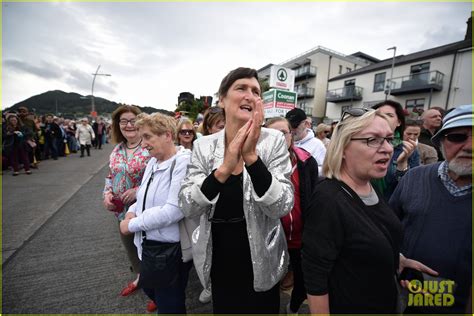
(131, 250)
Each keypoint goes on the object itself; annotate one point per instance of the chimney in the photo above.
(469, 29)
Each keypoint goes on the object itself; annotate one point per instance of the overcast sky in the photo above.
(154, 51)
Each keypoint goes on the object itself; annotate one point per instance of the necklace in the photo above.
(134, 146)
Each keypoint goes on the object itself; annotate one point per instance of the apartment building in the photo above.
(440, 76)
(312, 72)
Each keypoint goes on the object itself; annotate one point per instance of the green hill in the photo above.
(71, 105)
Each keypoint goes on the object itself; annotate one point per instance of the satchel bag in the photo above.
(187, 226)
(160, 261)
(160, 264)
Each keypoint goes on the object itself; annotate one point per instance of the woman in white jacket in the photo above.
(85, 135)
(155, 216)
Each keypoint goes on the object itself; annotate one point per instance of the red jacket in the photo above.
(303, 177)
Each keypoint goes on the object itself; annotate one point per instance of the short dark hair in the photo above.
(398, 110)
(213, 116)
(117, 136)
(412, 123)
(233, 76)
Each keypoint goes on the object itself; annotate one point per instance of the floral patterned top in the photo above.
(125, 172)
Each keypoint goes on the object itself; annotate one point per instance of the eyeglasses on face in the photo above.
(354, 112)
(186, 132)
(375, 142)
(124, 122)
(457, 138)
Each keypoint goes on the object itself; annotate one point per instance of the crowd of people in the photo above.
(358, 211)
(29, 139)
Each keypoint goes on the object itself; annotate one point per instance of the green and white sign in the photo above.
(282, 78)
(278, 102)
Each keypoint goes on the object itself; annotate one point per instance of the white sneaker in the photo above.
(289, 311)
(205, 296)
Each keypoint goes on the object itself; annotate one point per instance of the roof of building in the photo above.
(410, 58)
(302, 58)
(264, 67)
(365, 56)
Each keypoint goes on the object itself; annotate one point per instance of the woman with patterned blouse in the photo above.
(127, 165)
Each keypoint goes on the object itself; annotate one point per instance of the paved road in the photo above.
(61, 250)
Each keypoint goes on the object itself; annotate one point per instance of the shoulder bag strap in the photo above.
(148, 186)
(144, 198)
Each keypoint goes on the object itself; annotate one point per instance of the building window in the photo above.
(348, 69)
(350, 82)
(305, 107)
(340, 69)
(420, 72)
(379, 82)
(415, 107)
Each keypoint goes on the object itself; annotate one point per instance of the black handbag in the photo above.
(159, 267)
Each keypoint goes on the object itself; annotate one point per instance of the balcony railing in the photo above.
(305, 72)
(416, 83)
(348, 93)
(305, 92)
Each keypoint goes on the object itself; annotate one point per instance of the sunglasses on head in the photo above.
(457, 137)
(354, 112)
(186, 132)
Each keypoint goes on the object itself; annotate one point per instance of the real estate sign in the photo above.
(282, 78)
(278, 102)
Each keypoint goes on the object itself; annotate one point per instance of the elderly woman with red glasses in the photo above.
(351, 238)
(186, 134)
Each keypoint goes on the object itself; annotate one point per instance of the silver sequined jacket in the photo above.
(268, 247)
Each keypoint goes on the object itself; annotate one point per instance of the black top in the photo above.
(425, 138)
(350, 250)
(232, 271)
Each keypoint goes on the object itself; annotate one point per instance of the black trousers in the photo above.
(298, 295)
(87, 148)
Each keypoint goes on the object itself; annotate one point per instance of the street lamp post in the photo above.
(391, 71)
(93, 112)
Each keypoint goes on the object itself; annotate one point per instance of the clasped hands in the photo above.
(243, 147)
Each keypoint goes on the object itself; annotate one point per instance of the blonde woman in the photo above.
(186, 134)
(154, 218)
(351, 238)
(322, 131)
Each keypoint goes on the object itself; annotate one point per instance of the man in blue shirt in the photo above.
(434, 205)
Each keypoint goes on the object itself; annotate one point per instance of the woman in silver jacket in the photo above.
(238, 182)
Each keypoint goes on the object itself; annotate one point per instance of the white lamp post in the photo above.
(94, 113)
(391, 71)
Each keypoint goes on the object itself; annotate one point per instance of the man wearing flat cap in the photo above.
(304, 137)
(434, 204)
